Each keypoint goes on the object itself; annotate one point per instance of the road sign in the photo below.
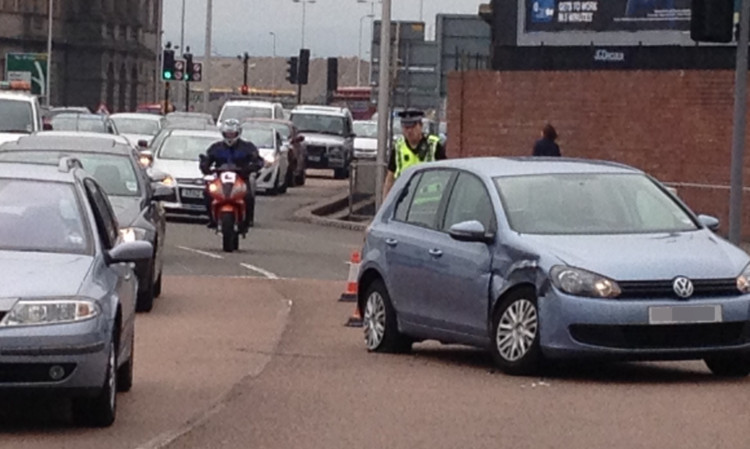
(29, 67)
(197, 72)
(179, 70)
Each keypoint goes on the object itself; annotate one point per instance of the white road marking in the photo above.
(202, 253)
(265, 273)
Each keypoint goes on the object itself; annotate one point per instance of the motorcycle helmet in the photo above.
(231, 130)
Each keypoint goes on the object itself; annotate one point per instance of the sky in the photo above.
(331, 26)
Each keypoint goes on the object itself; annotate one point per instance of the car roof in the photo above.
(522, 166)
(138, 115)
(266, 121)
(189, 124)
(16, 95)
(81, 115)
(320, 110)
(195, 133)
(73, 142)
(252, 103)
(39, 172)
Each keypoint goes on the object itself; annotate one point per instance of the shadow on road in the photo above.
(20, 414)
(579, 370)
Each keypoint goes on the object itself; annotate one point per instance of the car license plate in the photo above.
(684, 314)
(192, 193)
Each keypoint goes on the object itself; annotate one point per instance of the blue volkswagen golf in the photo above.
(541, 259)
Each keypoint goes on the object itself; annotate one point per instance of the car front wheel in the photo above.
(729, 366)
(100, 410)
(515, 334)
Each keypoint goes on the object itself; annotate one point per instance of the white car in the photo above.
(246, 109)
(177, 155)
(366, 140)
(137, 127)
(20, 113)
(273, 177)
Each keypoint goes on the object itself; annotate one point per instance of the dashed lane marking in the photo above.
(259, 270)
(202, 253)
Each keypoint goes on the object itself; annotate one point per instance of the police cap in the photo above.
(411, 116)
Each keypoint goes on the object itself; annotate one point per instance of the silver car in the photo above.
(538, 259)
(67, 316)
(273, 178)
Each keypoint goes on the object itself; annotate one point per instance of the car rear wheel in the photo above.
(729, 366)
(100, 411)
(515, 334)
(380, 323)
(145, 302)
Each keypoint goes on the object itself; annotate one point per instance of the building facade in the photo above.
(104, 51)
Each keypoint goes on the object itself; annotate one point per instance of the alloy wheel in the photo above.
(517, 330)
(374, 320)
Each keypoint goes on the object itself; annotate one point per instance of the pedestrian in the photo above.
(546, 146)
(412, 148)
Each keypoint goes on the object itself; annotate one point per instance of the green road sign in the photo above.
(29, 67)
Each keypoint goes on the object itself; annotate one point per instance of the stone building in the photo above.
(103, 50)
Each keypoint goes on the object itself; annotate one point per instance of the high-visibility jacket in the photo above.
(406, 157)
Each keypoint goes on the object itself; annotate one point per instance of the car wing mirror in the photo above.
(164, 193)
(712, 223)
(470, 231)
(128, 252)
(157, 176)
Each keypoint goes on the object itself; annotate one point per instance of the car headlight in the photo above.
(38, 312)
(169, 182)
(132, 234)
(743, 280)
(575, 281)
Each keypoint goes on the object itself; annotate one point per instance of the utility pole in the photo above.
(384, 110)
(207, 58)
(48, 82)
(738, 136)
(245, 60)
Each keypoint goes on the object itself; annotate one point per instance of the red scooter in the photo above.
(228, 208)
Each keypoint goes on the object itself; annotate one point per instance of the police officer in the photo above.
(233, 150)
(412, 148)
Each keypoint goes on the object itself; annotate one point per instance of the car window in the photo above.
(186, 148)
(70, 122)
(41, 216)
(105, 218)
(469, 201)
(425, 204)
(402, 207)
(136, 126)
(324, 124)
(16, 116)
(245, 112)
(116, 174)
(366, 129)
(260, 137)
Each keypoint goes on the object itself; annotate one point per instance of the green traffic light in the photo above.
(167, 75)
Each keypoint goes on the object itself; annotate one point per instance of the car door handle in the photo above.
(391, 242)
(435, 252)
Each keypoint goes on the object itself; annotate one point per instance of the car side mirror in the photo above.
(47, 126)
(164, 193)
(145, 158)
(470, 231)
(156, 176)
(712, 223)
(128, 252)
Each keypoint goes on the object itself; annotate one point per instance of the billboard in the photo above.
(607, 15)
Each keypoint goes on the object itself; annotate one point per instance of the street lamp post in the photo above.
(384, 110)
(207, 57)
(304, 4)
(49, 54)
(273, 62)
(359, 58)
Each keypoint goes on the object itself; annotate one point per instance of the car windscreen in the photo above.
(186, 148)
(42, 217)
(115, 174)
(66, 122)
(324, 124)
(16, 117)
(136, 126)
(366, 129)
(570, 204)
(260, 137)
(244, 112)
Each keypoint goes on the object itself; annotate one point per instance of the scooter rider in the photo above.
(241, 153)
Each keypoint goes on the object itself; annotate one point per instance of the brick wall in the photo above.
(675, 125)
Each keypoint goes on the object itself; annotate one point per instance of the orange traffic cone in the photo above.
(356, 319)
(350, 294)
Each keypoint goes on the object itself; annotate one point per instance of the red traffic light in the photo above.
(245, 89)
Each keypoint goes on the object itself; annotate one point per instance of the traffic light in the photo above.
(304, 66)
(245, 89)
(333, 75)
(189, 68)
(712, 20)
(167, 68)
(291, 71)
